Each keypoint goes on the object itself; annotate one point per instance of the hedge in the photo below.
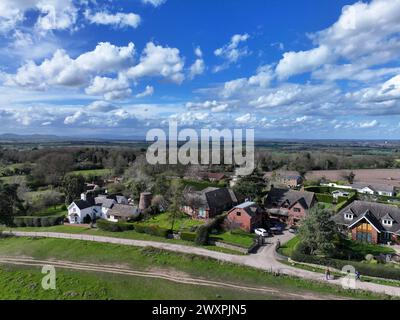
(203, 232)
(114, 226)
(376, 270)
(32, 221)
(349, 200)
(321, 197)
(188, 236)
(153, 230)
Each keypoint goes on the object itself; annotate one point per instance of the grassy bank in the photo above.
(149, 259)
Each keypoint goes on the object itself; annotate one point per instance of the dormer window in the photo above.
(348, 216)
(387, 222)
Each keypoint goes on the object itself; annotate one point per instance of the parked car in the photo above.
(276, 230)
(293, 230)
(261, 232)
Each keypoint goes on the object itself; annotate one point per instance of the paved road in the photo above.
(265, 259)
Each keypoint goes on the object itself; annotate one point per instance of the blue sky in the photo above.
(288, 69)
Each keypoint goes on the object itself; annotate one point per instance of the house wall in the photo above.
(244, 221)
(294, 216)
(374, 233)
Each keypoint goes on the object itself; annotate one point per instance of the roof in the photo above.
(372, 211)
(124, 210)
(215, 175)
(83, 204)
(373, 187)
(277, 197)
(213, 197)
(251, 208)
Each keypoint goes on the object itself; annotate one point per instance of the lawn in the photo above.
(93, 172)
(236, 238)
(123, 235)
(150, 259)
(287, 248)
(11, 179)
(200, 185)
(164, 220)
(52, 211)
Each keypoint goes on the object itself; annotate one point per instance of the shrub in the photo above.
(114, 226)
(327, 198)
(44, 222)
(87, 219)
(30, 221)
(372, 270)
(139, 228)
(188, 236)
(204, 231)
(157, 231)
(37, 221)
(19, 222)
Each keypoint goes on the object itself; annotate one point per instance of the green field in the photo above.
(52, 211)
(24, 283)
(236, 238)
(151, 259)
(287, 248)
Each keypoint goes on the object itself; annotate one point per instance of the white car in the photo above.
(261, 232)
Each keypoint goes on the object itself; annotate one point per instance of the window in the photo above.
(387, 222)
(238, 213)
(296, 209)
(348, 216)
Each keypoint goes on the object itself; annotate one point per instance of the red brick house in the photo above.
(290, 206)
(370, 222)
(246, 216)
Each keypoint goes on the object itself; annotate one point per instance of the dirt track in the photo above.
(279, 293)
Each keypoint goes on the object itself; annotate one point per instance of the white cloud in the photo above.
(147, 92)
(159, 61)
(119, 19)
(198, 67)
(214, 106)
(76, 117)
(302, 61)
(369, 124)
(112, 89)
(232, 51)
(155, 3)
(246, 119)
(62, 70)
(365, 33)
(101, 106)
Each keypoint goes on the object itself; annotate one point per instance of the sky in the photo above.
(287, 68)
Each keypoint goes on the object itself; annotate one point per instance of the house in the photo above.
(122, 212)
(289, 179)
(208, 203)
(289, 205)
(246, 216)
(366, 188)
(340, 193)
(370, 222)
(90, 208)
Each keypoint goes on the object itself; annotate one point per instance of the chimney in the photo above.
(83, 196)
(145, 200)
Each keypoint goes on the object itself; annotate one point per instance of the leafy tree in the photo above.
(252, 186)
(318, 233)
(349, 176)
(10, 204)
(176, 202)
(73, 186)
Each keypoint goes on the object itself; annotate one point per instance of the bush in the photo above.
(158, 231)
(372, 270)
(140, 228)
(188, 236)
(114, 226)
(327, 198)
(30, 221)
(203, 232)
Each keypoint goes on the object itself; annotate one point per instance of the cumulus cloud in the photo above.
(232, 51)
(147, 92)
(119, 20)
(154, 3)
(62, 70)
(159, 61)
(365, 33)
(53, 14)
(198, 67)
(213, 106)
(112, 89)
(101, 106)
